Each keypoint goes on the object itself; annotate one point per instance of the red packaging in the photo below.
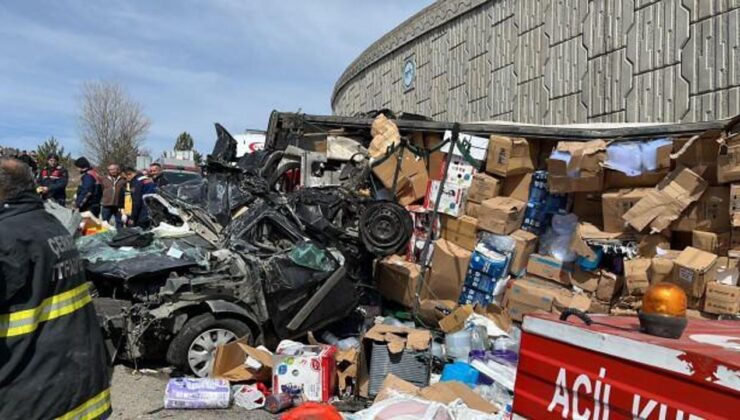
(311, 369)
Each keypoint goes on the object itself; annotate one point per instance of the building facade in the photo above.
(554, 62)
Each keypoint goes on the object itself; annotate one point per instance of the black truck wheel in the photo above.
(194, 347)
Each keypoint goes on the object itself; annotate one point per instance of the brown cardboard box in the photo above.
(456, 320)
(586, 280)
(722, 299)
(435, 160)
(411, 185)
(228, 362)
(735, 236)
(661, 269)
(586, 158)
(550, 268)
(587, 206)
(472, 209)
(734, 198)
(385, 134)
(599, 307)
(728, 162)
(533, 294)
(699, 153)
(449, 266)
(460, 230)
(616, 179)
(501, 215)
(530, 294)
(637, 275)
(431, 311)
(525, 243)
(664, 204)
(517, 186)
(709, 213)
(616, 203)
(650, 244)
(397, 279)
(508, 156)
(517, 310)
(693, 269)
(609, 286)
(483, 187)
(716, 243)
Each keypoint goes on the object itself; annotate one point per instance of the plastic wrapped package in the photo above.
(403, 407)
(649, 153)
(620, 156)
(197, 393)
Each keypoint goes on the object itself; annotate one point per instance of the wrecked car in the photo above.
(238, 255)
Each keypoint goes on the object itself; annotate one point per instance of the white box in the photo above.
(453, 198)
(310, 368)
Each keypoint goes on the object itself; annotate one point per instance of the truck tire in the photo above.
(193, 348)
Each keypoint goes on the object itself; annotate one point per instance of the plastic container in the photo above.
(461, 372)
(479, 338)
(593, 263)
(457, 344)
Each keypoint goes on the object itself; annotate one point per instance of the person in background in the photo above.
(53, 360)
(155, 173)
(137, 186)
(90, 189)
(28, 160)
(112, 200)
(52, 181)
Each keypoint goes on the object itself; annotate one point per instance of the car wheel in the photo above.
(194, 347)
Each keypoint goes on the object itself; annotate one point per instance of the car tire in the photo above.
(196, 342)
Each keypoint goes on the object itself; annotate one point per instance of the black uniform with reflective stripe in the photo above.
(52, 357)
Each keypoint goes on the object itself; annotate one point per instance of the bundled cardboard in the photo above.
(728, 162)
(501, 215)
(716, 243)
(664, 204)
(411, 185)
(709, 213)
(461, 231)
(550, 268)
(449, 266)
(397, 279)
(483, 187)
(693, 269)
(637, 275)
(722, 299)
(525, 244)
(517, 187)
(508, 156)
(452, 200)
(616, 203)
(228, 362)
(385, 134)
(583, 171)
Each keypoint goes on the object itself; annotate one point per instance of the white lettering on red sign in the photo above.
(601, 392)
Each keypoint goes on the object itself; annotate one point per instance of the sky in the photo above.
(189, 63)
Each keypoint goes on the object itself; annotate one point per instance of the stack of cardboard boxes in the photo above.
(670, 216)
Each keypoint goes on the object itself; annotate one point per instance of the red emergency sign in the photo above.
(573, 371)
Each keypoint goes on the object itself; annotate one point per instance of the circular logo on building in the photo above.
(409, 72)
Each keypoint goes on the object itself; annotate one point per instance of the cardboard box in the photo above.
(532, 294)
(453, 198)
(599, 307)
(455, 321)
(478, 145)
(397, 279)
(501, 215)
(587, 205)
(585, 280)
(585, 159)
(728, 162)
(734, 198)
(716, 243)
(228, 362)
(693, 269)
(664, 204)
(550, 268)
(412, 181)
(650, 245)
(447, 275)
(699, 153)
(314, 371)
(461, 231)
(616, 203)
(517, 186)
(472, 209)
(609, 286)
(661, 269)
(735, 236)
(385, 134)
(616, 179)
(460, 172)
(709, 213)
(483, 187)
(517, 310)
(442, 392)
(508, 156)
(722, 299)
(525, 244)
(637, 275)
(431, 311)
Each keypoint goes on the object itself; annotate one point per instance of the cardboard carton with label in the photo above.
(483, 187)
(501, 215)
(576, 166)
(508, 156)
(722, 299)
(693, 269)
(616, 203)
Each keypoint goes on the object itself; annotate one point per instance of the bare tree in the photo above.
(112, 124)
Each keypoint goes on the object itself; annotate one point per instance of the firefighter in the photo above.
(52, 181)
(52, 357)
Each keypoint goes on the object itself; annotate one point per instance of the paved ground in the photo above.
(139, 396)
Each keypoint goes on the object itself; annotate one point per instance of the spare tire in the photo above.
(385, 228)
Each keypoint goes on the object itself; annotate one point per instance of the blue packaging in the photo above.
(491, 262)
(480, 281)
(470, 296)
(461, 372)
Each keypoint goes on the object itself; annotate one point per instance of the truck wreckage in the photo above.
(237, 255)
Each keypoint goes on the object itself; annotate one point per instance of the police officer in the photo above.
(53, 181)
(52, 357)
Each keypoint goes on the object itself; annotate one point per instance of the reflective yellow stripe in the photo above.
(28, 320)
(90, 409)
